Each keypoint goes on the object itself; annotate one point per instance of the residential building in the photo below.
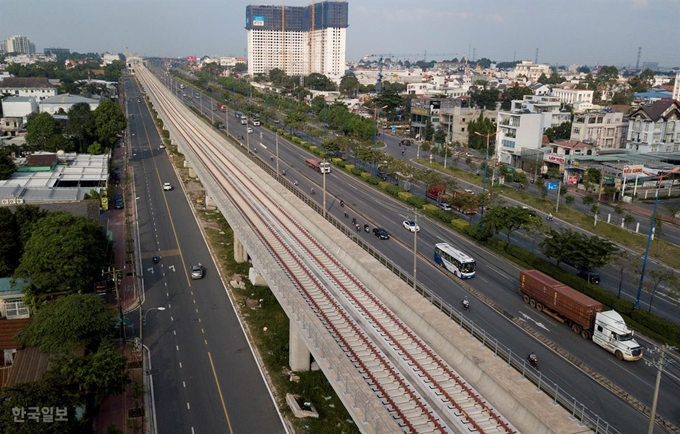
(19, 44)
(10, 126)
(12, 298)
(299, 40)
(531, 70)
(540, 89)
(64, 102)
(19, 107)
(37, 87)
(655, 127)
(56, 51)
(571, 96)
(605, 129)
(454, 116)
(524, 125)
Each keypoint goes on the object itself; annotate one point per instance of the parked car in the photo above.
(197, 271)
(162, 146)
(118, 201)
(250, 130)
(445, 206)
(411, 226)
(589, 275)
(167, 186)
(381, 233)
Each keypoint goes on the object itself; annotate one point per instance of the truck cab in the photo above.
(612, 334)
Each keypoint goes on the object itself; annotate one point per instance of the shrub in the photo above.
(403, 195)
(356, 171)
(416, 201)
(393, 190)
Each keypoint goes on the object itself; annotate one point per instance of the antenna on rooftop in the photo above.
(637, 64)
(536, 58)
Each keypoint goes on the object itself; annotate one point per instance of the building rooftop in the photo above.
(25, 83)
(67, 98)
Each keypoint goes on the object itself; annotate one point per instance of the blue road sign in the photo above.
(394, 128)
(552, 185)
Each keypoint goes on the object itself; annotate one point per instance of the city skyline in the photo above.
(595, 32)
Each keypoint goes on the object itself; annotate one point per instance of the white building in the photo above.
(37, 87)
(603, 129)
(655, 127)
(19, 107)
(19, 44)
(572, 96)
(297, 40)
(108, 59)
(65, 102)
(676, 88)
(524, 125)
(531, 70)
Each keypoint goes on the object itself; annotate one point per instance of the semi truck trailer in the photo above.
(583, 314)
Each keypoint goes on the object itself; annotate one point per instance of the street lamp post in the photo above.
(376, 111)
(323, 187)
(486, 161)
(649, 237)
(277, 155)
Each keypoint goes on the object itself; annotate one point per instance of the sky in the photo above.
(565, 32)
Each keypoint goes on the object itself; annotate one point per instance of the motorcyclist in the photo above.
(311, 190)
(342, 203)
(550, 217)
(155, 259)
(283, 172)
(466, 303)
(366, 227)
(533, 360)
(354, 220)
(295, 182)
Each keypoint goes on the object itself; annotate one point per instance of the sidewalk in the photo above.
(114, 409)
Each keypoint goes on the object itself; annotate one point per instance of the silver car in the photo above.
(197, 271)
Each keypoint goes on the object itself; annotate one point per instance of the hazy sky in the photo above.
(564, 31)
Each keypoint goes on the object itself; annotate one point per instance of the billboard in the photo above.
(258, 21)
(191, 59)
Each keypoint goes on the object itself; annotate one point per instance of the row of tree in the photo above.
(85, 131)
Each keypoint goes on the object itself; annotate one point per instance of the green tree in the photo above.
(100, 373)
(560, 245)
(483, 98)
(482, 125)
(349, 85)
(656, 276)
(27, 216)
(569, 200)
(44, 133)
(7, 166)
(10, 247)
(592, 251)
(40, 394)
(560, 132)
(623, 97)
(295, 120)
(80, 125)
(64, 253)
(109, 120)
(515, 93)
(69, 323)
(318, 81)
(503, 219)
(96, 149)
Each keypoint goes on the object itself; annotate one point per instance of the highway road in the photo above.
(496, 280)
(205, 378)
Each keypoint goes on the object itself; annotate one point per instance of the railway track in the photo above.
(418, 389)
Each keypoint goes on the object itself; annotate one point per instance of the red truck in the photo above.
(583, 314)
(222, 107)
(438, 193)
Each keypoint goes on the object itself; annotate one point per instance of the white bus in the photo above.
(454, 260)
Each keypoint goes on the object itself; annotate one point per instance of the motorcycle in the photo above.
(549, 217)
(466, 304)
(155, 259)
(533, 360)
(366, 228)
(283, 172)
(357, 226)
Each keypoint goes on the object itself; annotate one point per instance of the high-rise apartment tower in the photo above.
(299, 40)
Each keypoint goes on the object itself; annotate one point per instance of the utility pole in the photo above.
(658, 364)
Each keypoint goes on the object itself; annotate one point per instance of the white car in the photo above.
(468, 191)
(162, 146)
(411, 226)
(250, 130)
(167, 186)
(445, 206)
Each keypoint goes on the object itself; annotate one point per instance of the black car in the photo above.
(118, 201)
(381, 233)
(590, 276)
(406, 142)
